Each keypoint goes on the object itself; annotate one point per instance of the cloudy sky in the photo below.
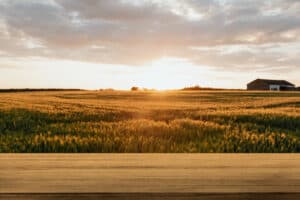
(149, 43)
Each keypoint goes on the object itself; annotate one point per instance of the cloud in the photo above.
(225, 34)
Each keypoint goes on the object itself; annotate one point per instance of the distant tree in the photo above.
(134, 88)
(196, 87)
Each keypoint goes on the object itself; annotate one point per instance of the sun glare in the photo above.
(161, 74)
(171, 73)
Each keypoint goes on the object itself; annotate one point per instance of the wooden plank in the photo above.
(149, 173)
(151, 196)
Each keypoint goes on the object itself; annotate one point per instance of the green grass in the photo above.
(147, 122)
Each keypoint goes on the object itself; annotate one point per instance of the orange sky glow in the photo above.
(148, 43)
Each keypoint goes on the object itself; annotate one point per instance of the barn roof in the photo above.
(274, 82)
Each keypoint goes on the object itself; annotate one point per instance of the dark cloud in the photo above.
(136, 32)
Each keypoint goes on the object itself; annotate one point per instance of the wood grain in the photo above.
(149, 173)
(155, 196)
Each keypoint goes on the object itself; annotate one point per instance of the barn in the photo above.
(273, 85)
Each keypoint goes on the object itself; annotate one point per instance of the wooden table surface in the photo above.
(149, 173)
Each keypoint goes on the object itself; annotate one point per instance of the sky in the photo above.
(162, 44)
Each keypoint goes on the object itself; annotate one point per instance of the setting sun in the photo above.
(171, 44)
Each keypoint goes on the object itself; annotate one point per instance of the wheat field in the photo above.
(149, 122)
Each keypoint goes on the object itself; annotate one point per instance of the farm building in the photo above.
(273, 85)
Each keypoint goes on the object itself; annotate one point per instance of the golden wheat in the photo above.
(175, 121)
